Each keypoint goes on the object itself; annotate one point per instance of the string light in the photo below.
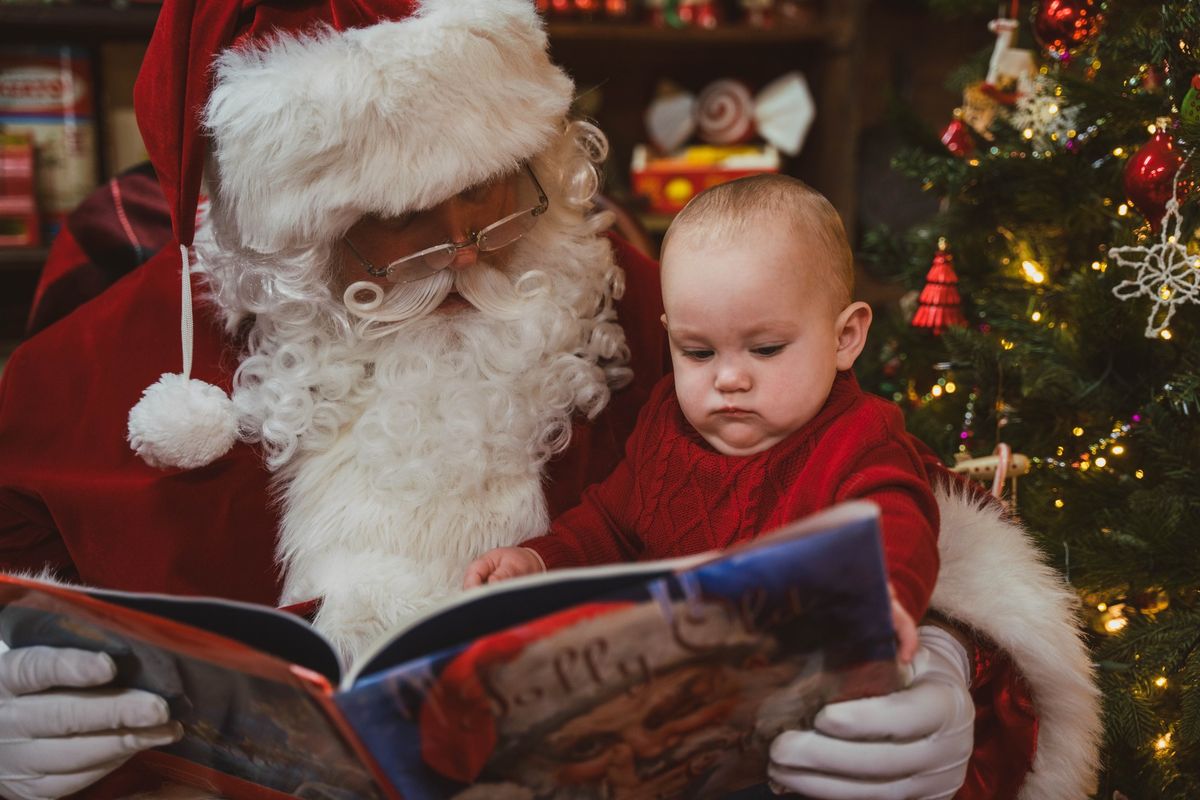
(1033, 271)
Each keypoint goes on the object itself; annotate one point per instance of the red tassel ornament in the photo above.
(940, 305)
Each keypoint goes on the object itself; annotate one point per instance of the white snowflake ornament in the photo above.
(1166, 273)
(1042, 115)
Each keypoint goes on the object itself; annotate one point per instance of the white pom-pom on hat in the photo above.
(181, 421)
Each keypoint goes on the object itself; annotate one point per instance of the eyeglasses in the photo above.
(432, 260)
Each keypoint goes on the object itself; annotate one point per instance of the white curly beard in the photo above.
(412, 453)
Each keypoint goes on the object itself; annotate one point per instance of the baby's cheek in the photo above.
(689, 389)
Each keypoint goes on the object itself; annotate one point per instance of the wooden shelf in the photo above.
(22, 258)
(633, 33)
(35, 23)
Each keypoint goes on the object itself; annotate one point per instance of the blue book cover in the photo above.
(654, 680)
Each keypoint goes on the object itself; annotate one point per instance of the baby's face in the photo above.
(754, 334)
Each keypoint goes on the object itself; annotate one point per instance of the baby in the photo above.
(762, 421)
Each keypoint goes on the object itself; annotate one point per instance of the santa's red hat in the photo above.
(310, 114)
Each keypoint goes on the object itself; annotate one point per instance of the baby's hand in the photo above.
(906, 630)
(501, 564)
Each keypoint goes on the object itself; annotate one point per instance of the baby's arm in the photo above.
(501, 564)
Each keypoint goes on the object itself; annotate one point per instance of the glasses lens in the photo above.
(422, 265)
(506, 231)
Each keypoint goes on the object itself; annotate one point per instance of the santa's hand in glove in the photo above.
(61, 729)
(912, 744)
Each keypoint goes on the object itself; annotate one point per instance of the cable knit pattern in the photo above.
(673, 494)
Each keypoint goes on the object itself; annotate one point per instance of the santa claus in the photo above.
(411, 344)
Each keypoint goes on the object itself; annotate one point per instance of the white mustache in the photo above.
(482, 285)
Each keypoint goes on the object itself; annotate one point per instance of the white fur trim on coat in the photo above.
(994, 580)
(311, 132)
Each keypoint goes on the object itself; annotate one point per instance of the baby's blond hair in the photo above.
(729, 208)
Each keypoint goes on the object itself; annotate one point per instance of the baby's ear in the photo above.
(664, 320)
(852, 326)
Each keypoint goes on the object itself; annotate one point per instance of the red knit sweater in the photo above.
(673, 494)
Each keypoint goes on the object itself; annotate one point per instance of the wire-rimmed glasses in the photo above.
(430, 261)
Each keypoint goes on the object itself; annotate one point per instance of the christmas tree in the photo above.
(1070, 210)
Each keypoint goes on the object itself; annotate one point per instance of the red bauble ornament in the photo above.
(940, 306)
(958, 140)
(1061, 26)
(1150, 177)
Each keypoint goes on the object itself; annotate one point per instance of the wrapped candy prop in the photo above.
(726, 113)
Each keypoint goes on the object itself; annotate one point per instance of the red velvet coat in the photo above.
(74, 497)
(674, 495)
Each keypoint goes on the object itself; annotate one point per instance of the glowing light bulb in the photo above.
(1122, 209)
(1033, 271)
(1027, 133)
(936, 391)
(1160, 681)
(1115, 624)
(951, 387)
(1036, 316)
(1077, 431)
(1162, 742)
(1166, 334)
(1118, 151)
(1101, 461)
(1117, 449)
(1059, 503)
(1139, 474)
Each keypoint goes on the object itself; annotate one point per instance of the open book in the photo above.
(660, 679)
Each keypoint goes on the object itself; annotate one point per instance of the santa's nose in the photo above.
(465, 257)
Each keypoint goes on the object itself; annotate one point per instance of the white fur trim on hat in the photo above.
(182, 422)
(311, 132)
(994, 580)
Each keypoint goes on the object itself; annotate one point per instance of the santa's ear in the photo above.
(852, 326)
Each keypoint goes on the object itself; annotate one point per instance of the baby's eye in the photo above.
(697, 355)
(767, 350)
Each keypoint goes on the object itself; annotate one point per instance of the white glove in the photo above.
(913, 744)
(54, 743)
